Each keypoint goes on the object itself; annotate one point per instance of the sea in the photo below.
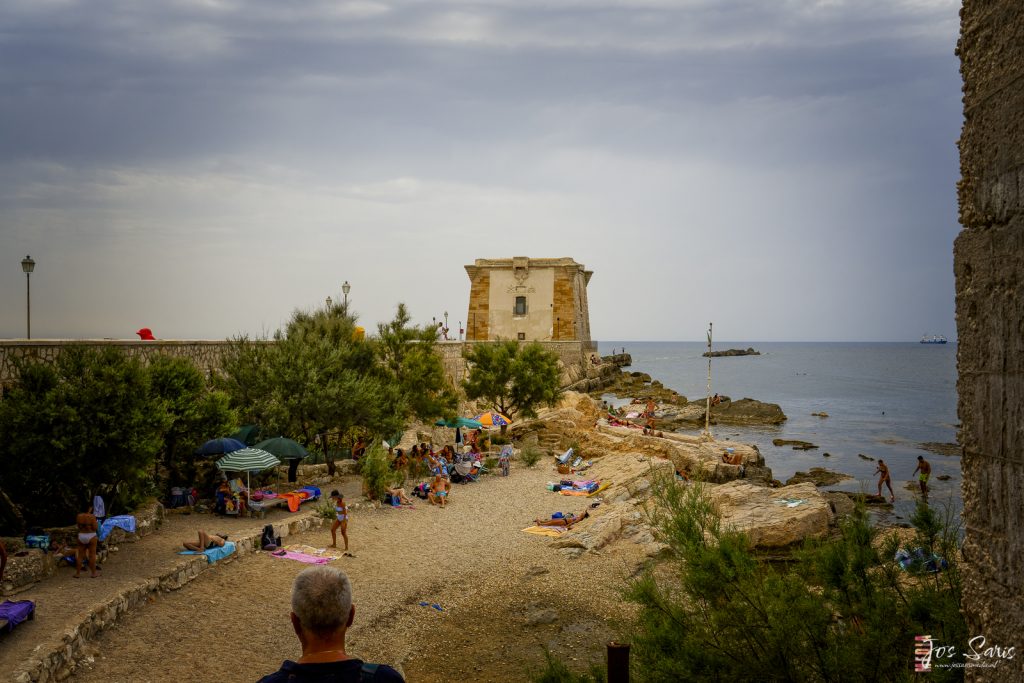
(884, 400)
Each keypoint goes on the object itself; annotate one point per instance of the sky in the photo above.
(784, 168)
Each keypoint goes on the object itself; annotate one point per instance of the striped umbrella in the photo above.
(247, 460)
(493, 419)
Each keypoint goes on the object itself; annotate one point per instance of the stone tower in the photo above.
(528, 299)
(989, 267)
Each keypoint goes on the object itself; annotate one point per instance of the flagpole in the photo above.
(707, 408)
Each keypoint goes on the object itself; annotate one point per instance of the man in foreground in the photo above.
(322, 612)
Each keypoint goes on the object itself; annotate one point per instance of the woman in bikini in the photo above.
(341, 519)
(87, 528)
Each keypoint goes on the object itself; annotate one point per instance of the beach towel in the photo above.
(332, 553)
(300, 557)
(544, 531)
(126, 522)
(213, 554)
(98, 508)
(15, 612)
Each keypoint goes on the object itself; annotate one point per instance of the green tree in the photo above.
(841, 611)
(409, 353)
(195, 413)
(83, 426)
(514, 379)
(317, 381)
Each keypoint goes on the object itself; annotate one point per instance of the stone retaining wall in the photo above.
(207, 354)
(38, 565)
(56, 661)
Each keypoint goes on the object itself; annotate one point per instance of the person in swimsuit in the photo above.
(883, 478)
(87, 528)
(565, 520)
(925, 468)
(439, 489)
(206, 542)
(341, 519)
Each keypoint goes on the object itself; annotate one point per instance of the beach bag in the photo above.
(268, 537)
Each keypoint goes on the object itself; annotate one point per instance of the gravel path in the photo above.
(492, 580)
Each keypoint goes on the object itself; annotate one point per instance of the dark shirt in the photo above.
(329, 672)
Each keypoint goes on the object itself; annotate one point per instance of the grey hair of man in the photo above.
(322, 599)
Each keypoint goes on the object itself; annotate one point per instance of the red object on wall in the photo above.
(146, 334)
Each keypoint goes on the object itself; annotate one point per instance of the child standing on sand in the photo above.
(341, 519)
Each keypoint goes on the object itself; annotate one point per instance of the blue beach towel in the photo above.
(126, 522)
(213, 554)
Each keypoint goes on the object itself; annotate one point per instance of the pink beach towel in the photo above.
(301, 557)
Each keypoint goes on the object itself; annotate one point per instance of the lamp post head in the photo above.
(27, 264)
(346, 288)
(329, 302)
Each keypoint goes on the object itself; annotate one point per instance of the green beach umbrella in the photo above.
(283, 448)
(247, 434)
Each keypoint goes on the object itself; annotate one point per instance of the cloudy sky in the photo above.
(785, 168)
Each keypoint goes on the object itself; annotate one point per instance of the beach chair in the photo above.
(564, 458)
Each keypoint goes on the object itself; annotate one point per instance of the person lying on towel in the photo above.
(206, 542)
(566, 520)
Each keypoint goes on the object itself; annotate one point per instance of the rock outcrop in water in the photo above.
(731, 352)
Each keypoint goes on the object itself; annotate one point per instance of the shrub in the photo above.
(376, 471)
(490, 463)
(841, 611)
(530, 455)
(325, 509)
(500, 440)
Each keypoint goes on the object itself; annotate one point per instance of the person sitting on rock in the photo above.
(730, 457)
(716, 399)
(566, 520)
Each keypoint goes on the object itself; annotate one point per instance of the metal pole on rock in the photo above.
(707, 408)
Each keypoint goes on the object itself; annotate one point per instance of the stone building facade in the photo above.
(989, 267)
(529, 299)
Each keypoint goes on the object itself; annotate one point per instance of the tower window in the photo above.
(520, 308)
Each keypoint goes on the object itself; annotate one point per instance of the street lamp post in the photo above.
(329, 302)
(28, 265)
(446, 325)
(345, 289)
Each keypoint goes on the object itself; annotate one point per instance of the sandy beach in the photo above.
(472, 559)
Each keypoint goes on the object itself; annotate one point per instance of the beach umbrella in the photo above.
(493, 419)
(247, 460)
(247, 434)
(459, 422)
(283, 448)
(220, 446)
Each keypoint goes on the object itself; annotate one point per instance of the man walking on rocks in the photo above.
(322, 612)
(925, 468)
(883, 478)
